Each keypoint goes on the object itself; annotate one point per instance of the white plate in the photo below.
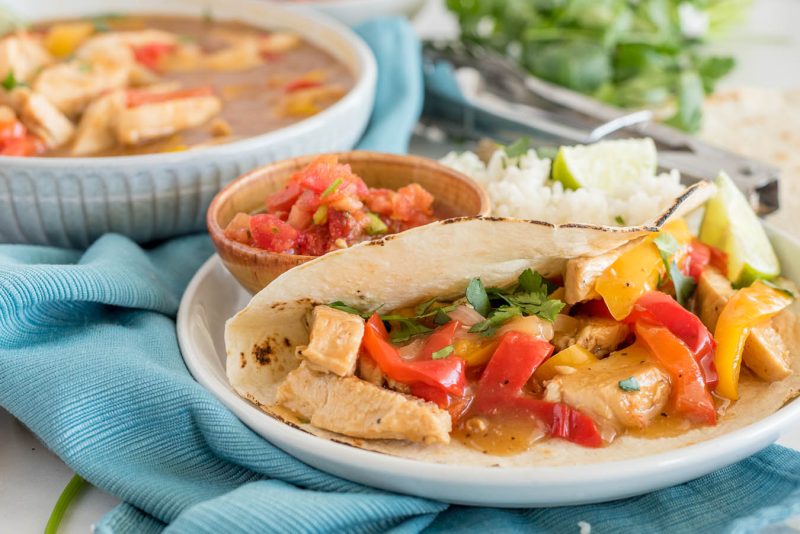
(214, 295)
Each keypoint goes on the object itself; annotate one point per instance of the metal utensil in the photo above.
(495, 98)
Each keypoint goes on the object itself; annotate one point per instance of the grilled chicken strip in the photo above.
(334, 340)
(765, 351)
(23, 55)
(595, 389)
(95, 132)
(356, 408)
(72, 86)
(151, 121)
(598, 335)
(43, 119)
(581, 273)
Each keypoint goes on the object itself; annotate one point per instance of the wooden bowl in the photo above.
(455, 194)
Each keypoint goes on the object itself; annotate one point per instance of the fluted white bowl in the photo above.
(69, 202)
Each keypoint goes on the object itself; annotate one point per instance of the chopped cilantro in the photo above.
(331, 188)
(10, 82)
(444, 352)
(629, 384)
(341, 306)
(619, 220)
(684, 285)
(477, 297)
(518, 148)
(441, 317)
(424, 306)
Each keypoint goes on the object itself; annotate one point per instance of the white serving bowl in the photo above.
(353, 12)
(69, 202)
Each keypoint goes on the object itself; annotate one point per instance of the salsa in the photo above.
(326, 206)
(125, 85)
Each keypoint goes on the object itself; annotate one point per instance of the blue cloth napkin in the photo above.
(89, 361)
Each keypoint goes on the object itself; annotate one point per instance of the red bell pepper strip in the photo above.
(697, 259)
(299, 85)
(500, 388)
(150, 54)
(439, 339)
(690, 395)
(660, 308)
(446, 374)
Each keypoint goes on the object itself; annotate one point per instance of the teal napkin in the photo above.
(89, 361)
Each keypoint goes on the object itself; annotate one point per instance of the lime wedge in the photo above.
(605, 165)
(731, 225)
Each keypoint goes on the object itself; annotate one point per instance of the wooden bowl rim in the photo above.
(217, 233)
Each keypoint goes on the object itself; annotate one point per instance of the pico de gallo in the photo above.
(325, 206)
(653, 344)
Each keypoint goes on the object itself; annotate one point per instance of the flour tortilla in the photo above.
(438, 260)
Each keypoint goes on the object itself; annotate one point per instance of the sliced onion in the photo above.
(565, 324)
(411, 350)
(530, 325)
(466, 315)
(298, 218)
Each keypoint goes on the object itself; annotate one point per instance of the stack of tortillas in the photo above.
(763, 124)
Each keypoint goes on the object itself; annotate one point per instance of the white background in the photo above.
(31, 477)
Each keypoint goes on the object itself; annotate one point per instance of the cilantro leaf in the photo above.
(441, 317)
(444, 352)
(531, 281)
(667, 247)
(341, 306)
(684, 285)
(405, 328)
(629, 384)
(502, 314)
(477, 297)
(424, 306)
(619, 220)
(10, 82)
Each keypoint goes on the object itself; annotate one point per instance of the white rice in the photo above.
(519, 187)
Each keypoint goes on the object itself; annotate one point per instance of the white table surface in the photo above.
(31, 477)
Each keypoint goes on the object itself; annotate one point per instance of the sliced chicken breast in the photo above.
(22, 54)
(598, 335)
(334, 341)
(151, 121)
(357, 408)
(596, 391)
(72, 86)
(581, 273)
(765, 352)
(43, 119)
(95, 131)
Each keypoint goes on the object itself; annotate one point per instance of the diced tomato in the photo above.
(322, 172)
(446, 374)
(271, 233)
(411, 201)
(27, 146)
(283, 199)
(340, 224)
(150, 54)
(239, 229)
(690, 394)
(660, 308)
(300, 84)
(380, 201)
(141, 97)
(314, 241)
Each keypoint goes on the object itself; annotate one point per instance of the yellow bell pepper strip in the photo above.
(63, 39)
(746, 308)
(639, 270)
(632, 275)
(573, 356)
(475, 350)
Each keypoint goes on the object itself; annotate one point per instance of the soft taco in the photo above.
(507, 342)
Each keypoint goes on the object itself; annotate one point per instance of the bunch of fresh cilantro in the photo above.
(629, 53)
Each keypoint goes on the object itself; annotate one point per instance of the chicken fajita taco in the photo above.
(509, 342)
